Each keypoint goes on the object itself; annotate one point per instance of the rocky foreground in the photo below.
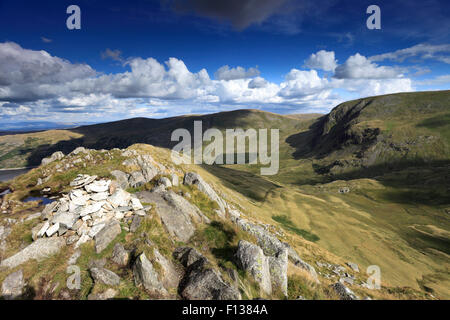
(106, 223)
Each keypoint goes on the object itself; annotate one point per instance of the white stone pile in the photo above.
(91, 205)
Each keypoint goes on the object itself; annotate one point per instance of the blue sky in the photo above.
(171, 57)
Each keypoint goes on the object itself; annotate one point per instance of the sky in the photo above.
(161, 58)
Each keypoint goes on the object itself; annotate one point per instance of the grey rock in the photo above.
(175, 180)
(66, 219)
(81, 180)
(74, 257)
(344, 292)
(52, 230)
(165, 182)
(188, 209)
(120, 198)
(136, 222)
(79, 150)
(40, 249)
(353, 266)
(13, 285)
(177, 223)
(120, 256)
(109, 293)
(121, 178)
(170, 275)
(252, 259)
(192, 178)
(146, 275)
(98, 186)
(137, 179)
(278, 266)
(107, 235)
(105, 276)
(58, 155)
(187, 256)
(201, 282)
(49, 209)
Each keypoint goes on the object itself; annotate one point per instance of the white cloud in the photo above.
(423, 51)
(227, 73)
(34, 84)
(359, 67)
(301, 83)
(257, 83)
(323, 60)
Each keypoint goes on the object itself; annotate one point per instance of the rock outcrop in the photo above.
(13, 285)
(38, 250)
(200, 281)
(251, 258)
(146, 275)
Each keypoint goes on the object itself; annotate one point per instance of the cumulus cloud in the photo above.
(29, 75)
(300, 83)
(227, 73)
(323, 60)
(257, 83)
(241, 13)
(36, 84)
(359, 67)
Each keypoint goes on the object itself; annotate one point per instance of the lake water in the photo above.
(6, 175)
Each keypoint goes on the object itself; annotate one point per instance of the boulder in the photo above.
(251, 258)
(120, 256)
(186, 255)
(201, 282)
(278, 267)
(175, 180)
(79, 150)
(58, 155)
(121, 178)
(175, 220)
(135, 223)
(188, 209)
(344, 292)
(108, 233)
(13, 286)
(40, 249)
(104, 276)
(170, 275)
(137, 179)
(165, 182)
(109, 293)
(146, 275)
